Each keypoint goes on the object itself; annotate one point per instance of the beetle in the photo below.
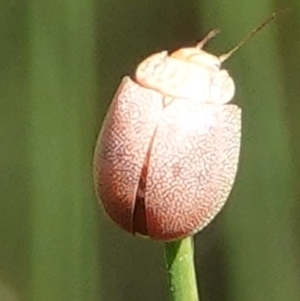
(167, 154)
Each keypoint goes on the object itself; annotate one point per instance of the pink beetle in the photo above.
(167, 154)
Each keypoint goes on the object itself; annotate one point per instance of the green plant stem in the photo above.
(179, 256)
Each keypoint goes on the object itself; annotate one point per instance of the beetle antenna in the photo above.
(208, 37)
(225, 56)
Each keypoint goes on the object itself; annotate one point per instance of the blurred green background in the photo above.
(60, 63)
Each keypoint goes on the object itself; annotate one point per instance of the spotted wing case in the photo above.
(167, 154)
(121, 149)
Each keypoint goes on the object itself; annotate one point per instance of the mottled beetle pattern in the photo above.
(167, 154)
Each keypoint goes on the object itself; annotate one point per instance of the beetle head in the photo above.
(187, 73)
(198, 57)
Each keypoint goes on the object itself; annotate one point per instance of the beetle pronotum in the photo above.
(168, 151)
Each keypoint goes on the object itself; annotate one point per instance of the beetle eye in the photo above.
(217, 64)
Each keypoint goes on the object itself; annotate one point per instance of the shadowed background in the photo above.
(60, 63)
